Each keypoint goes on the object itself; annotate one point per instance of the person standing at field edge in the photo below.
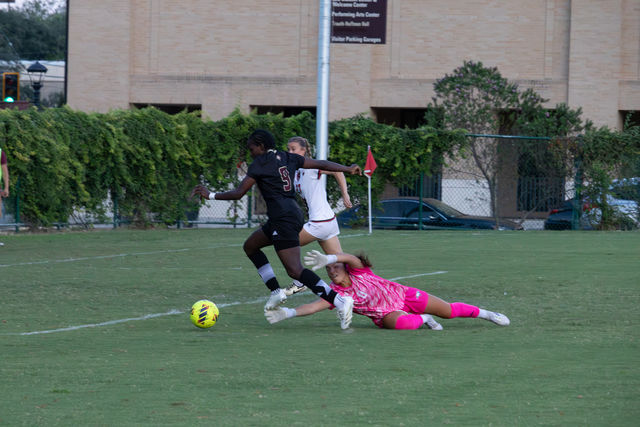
(273, 171)
(4, 174)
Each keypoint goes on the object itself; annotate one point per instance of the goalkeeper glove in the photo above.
(279, 314)
(316, 260)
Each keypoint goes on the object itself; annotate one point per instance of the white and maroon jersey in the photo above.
(312, 188)
(372, 295)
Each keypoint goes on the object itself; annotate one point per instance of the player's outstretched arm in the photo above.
(342, 183)
(235, 194)
(326, 165)
(316, 259)
(282, 313)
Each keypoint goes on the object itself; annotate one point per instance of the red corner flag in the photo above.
(371, 165)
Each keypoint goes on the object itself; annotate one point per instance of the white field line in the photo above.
(171, 313)
(165, 251)
(418, 275)
(130, 319)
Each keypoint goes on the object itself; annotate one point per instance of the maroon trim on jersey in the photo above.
(324, 220)
(3, 158)
(319, 174)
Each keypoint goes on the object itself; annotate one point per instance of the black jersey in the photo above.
(274, 172)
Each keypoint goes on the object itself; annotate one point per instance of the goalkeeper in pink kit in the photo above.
(388, 304)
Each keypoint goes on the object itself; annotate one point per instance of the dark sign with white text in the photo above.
(360, 22)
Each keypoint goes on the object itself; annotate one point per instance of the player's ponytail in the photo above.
(364, 259)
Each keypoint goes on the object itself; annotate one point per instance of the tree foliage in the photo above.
(480, 100)
(147, 161)
(35, 31)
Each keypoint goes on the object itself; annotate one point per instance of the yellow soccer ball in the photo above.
(204, 313)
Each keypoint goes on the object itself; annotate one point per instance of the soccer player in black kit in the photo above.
(273, 170)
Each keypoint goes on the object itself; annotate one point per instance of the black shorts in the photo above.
(284, 233)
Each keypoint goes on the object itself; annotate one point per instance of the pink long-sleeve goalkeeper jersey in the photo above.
(372, 295)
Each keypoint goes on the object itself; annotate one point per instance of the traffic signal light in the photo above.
(10, 87)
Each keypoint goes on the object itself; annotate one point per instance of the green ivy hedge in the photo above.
(148, 161)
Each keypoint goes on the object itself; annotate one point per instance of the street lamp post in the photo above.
(36, 72)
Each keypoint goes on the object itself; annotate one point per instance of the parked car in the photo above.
(561, 218)
(403, 212)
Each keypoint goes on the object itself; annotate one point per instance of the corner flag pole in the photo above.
(369, 167)
(369, 197)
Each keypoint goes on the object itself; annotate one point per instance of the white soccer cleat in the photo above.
(294, 289)
(346, 312)
(277, 297)
(499, 319)
(431, 323)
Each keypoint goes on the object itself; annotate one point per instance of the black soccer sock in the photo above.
(318, 286)
(259, 259)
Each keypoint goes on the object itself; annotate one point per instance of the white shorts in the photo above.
(323, 230)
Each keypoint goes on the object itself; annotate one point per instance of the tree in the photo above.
(478, 99)
(35, 31)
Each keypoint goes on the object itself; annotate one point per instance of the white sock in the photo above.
(484, 314)
(266, 272)
(297, 283)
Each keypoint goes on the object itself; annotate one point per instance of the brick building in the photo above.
(216, 56)
(220, 55)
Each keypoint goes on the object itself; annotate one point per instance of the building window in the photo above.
(411, 118)
(630, 118)
(286, 111)
(171, 108)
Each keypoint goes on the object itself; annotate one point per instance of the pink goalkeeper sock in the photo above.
(460, 309)
(409, 321)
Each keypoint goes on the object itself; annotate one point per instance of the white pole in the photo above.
(369, 195)
(369, 192)
(322, 102)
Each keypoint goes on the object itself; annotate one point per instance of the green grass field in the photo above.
(79, 344)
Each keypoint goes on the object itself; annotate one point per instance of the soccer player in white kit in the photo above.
(322, 225)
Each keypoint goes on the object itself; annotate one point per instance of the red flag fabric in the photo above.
(371, 165)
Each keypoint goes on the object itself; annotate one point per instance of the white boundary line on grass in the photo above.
(170, 313)
(165, 251)
(419, 275)
(130, 319)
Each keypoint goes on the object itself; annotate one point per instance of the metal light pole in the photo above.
(322, 102)
(36, 72)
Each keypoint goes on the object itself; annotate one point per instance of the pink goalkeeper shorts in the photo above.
(415, 301)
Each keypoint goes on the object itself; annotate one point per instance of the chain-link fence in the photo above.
(520, 179)
(501, 178)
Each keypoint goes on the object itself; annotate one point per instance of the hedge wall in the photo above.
(148, 161)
